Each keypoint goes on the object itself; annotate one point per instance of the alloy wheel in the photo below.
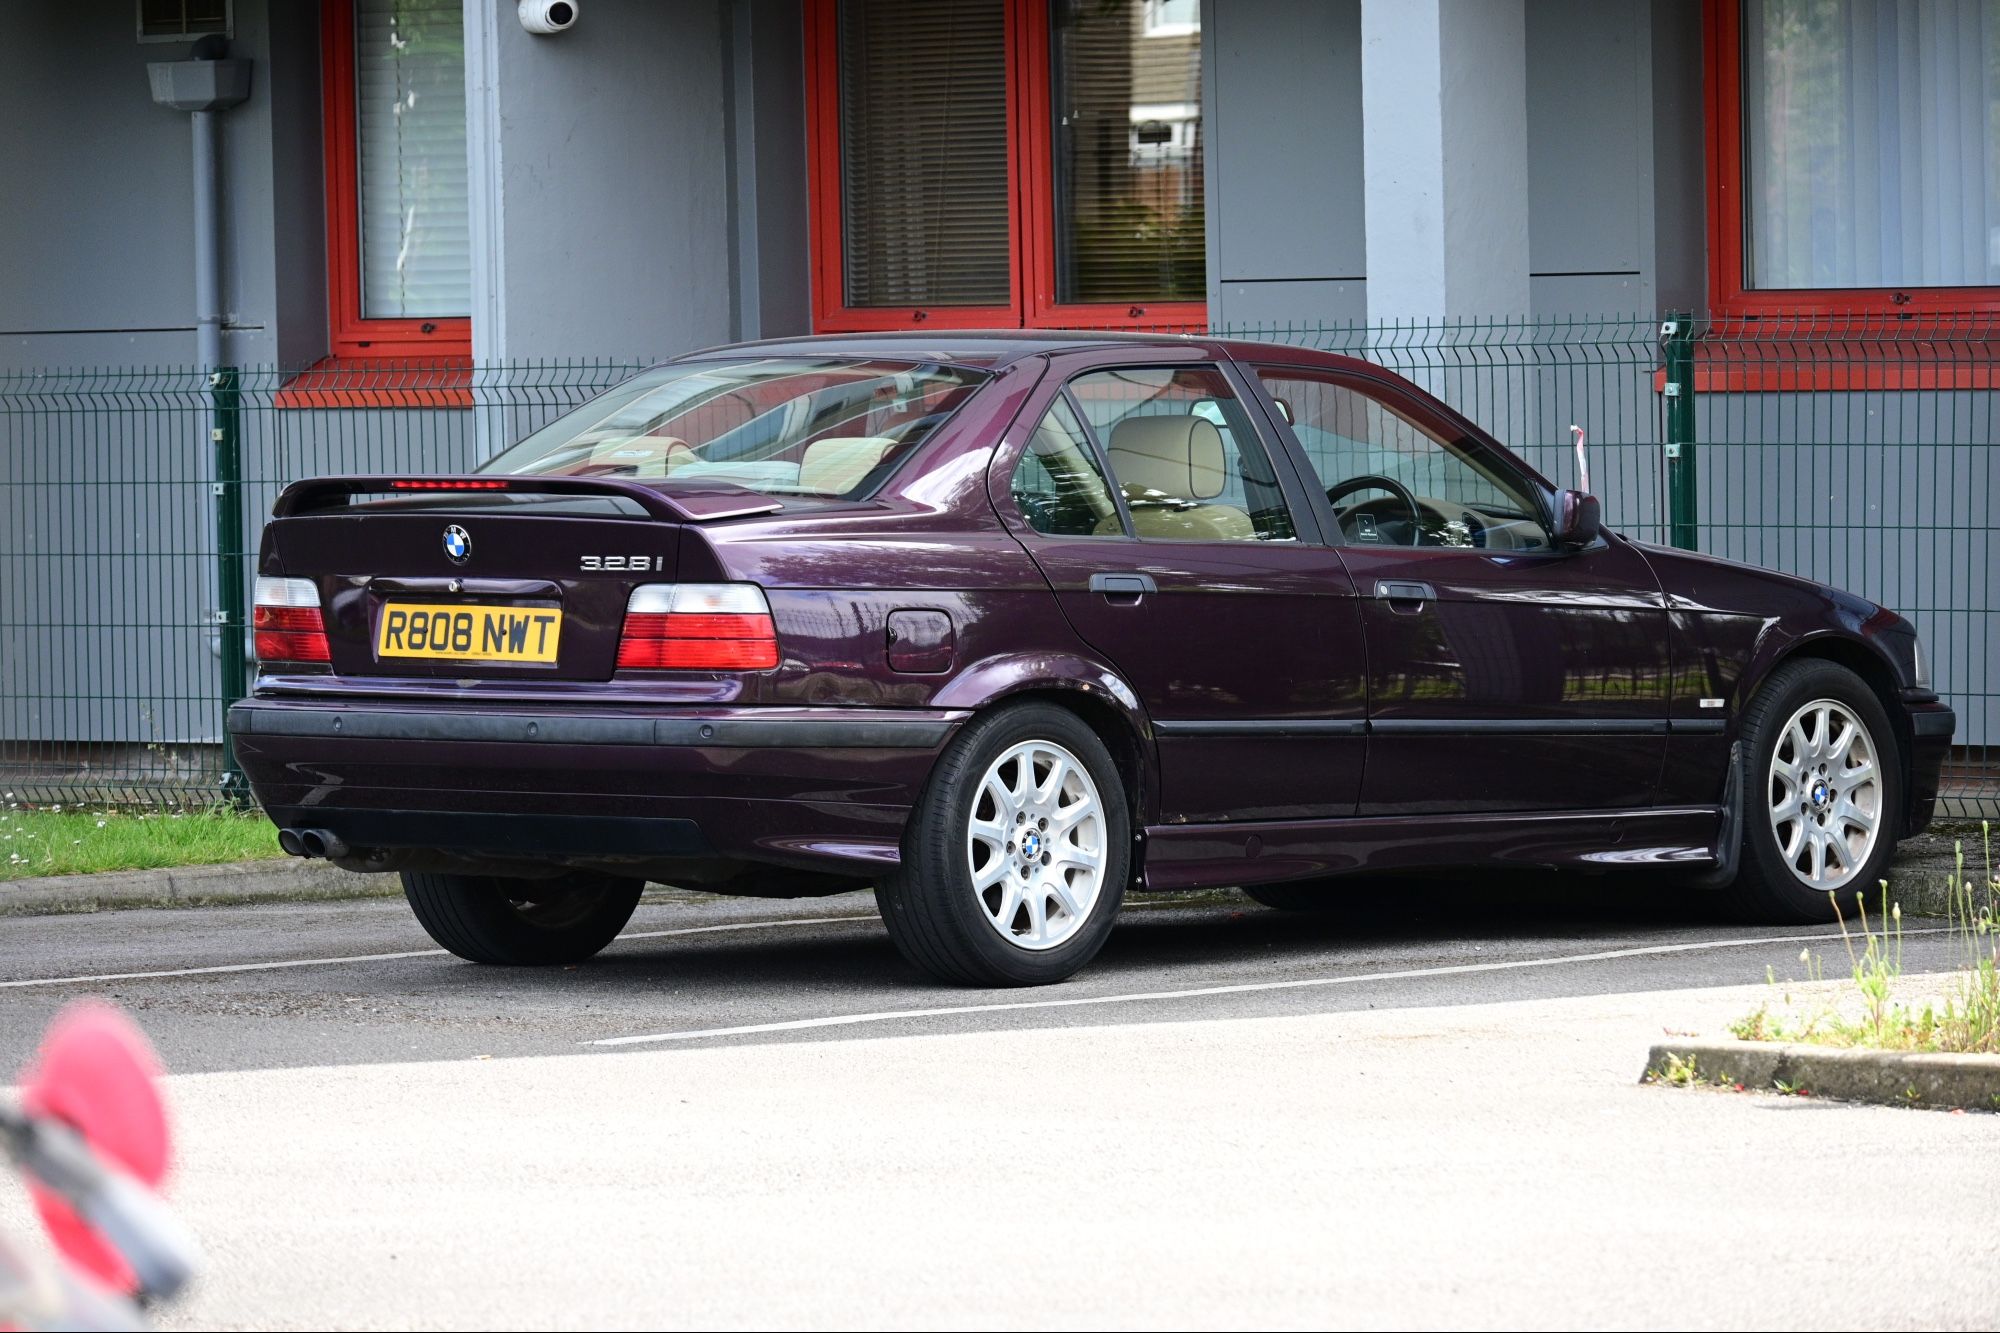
(1035, 845)
(1825, 794)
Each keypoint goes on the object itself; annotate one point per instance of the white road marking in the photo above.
(410, 953)
(1200, 992)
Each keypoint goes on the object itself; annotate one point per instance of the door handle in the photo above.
(1123, 589)
(1404, 597)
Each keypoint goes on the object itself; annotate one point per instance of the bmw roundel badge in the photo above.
(457, 544)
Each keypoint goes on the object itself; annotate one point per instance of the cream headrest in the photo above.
(1175, 455)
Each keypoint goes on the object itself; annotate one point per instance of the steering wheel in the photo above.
(1375, 481)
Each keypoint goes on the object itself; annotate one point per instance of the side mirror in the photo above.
(1578, 519)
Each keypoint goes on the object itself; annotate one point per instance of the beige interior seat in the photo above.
(643, 455)
(1171, 468)
(836, 465)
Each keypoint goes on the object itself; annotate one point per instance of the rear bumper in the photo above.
(816, 789)
(1931, 727)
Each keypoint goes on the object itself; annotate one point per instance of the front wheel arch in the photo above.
(1875, 672)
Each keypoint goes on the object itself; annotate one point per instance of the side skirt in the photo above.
(1200, 856)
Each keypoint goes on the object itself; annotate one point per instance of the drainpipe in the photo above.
(207, 85)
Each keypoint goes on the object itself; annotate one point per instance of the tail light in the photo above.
(698, 627)
(287, 622)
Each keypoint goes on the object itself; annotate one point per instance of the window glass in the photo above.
(1128, 151)
(1184, 454)
(804, 429)
(1058, 484)
(409, 100)
(1872, 143)
(1394, 483)
(923, 142)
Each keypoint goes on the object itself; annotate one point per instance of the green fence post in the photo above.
(1683, 513)
(226, 436)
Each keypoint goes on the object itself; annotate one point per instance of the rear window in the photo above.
(805, 429)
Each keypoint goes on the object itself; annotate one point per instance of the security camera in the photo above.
(548, 16)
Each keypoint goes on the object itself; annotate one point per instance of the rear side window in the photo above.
(1184, 454)
(1058, 484)
(814, 429)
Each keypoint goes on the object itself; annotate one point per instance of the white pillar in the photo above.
(1445, 157)
(487, 219)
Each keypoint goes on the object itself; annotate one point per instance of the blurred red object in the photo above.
(97, 1073)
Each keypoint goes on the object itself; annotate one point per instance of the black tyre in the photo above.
(1309, 895)
(1016, 855)
(522, 922)
(1822, 795)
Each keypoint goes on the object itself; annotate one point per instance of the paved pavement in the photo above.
(1418, 1111)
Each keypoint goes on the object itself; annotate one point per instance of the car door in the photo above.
(1174, 547)
(1504, 674)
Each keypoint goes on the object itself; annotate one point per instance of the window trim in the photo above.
(1030, 184)
(350, 336)
(1095, 448)
(1729, 294)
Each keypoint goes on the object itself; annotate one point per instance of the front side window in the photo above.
(399, 254)
(1862, 153)
(805, 429)
(1393, 482)
(1184, 454)
(1009, 162)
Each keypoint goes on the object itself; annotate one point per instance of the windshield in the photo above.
(818, 429)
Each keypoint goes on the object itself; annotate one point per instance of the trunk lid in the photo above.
(523, 582)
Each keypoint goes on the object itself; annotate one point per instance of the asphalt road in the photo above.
(1421, 1109)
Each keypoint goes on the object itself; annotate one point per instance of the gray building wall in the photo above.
(99, 247)
(1590, 157)
(767, 184)
(599, 157)
(1614, 159)
(1287, 239)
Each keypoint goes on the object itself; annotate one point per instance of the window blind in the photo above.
(1128, 152)
(923, 142)
(410, 160)
(1872, 158)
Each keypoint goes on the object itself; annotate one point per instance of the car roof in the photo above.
(987, 348)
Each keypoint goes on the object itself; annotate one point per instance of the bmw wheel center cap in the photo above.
(457, 544)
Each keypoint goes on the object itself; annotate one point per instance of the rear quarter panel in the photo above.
(930, 542)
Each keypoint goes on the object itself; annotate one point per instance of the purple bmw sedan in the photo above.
(1007, 625)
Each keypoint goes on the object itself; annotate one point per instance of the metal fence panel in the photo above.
(1861, 455)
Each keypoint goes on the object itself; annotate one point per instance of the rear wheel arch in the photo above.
(1090, 690)
(1112, 725)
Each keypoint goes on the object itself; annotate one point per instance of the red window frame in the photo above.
(1030, 183)
(351, 337)
(1728, 293)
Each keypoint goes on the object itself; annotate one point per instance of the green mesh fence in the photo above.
(1855, 453)
(115, 613)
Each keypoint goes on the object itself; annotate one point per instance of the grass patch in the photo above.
(59, 840)
(1961, 1018)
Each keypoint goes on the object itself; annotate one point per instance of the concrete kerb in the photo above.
(1885, 1078)
(189, 886)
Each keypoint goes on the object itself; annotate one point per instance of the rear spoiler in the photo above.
(690, 502)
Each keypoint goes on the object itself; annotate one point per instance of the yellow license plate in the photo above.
(469, 633)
